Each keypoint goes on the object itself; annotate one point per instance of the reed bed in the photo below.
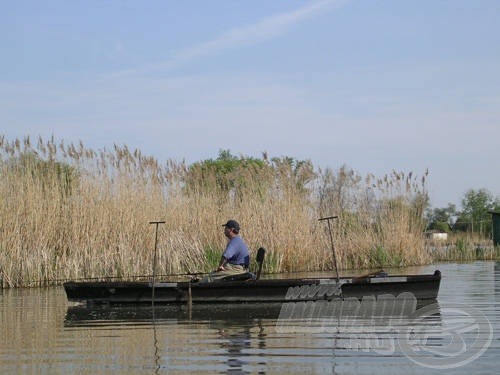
(463, 247)
(70, 212)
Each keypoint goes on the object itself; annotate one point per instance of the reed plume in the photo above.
(70, 212)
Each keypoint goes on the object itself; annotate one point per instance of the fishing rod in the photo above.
(47, 282)
(109, 278)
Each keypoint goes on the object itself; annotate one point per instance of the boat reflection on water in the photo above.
(352, 314)
(385, 307)
(88, 315)
(228, 338)
(239, 337)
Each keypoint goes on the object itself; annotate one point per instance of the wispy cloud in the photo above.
(266, 29)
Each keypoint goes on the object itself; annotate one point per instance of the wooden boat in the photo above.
(422, 287)
(249, 288)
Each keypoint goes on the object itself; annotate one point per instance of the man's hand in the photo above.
(222, 262)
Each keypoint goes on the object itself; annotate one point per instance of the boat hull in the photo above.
(422, 287)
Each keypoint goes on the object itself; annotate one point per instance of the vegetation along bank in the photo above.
(70, 212)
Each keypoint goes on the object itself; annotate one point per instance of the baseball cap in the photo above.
(232, 224)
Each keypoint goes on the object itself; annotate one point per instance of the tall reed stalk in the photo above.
(70, 212)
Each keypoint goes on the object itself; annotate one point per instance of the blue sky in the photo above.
(375, 85)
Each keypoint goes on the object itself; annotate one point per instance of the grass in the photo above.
(463, 247)
(70, 212)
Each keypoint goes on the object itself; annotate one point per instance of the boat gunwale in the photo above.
(165, 284)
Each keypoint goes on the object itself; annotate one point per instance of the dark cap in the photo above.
(233, 224)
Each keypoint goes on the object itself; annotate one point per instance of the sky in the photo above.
(374, 85)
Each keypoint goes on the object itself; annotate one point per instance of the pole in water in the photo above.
(190, 298)
(154, 261)
(328, 220)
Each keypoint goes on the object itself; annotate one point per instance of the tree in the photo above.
(224, 173)
(441, 219)
(229, 174)
(474, 216)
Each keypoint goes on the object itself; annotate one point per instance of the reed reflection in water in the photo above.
(42, 334)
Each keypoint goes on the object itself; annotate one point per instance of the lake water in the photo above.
(41, 333)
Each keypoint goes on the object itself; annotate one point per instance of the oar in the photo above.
(328, 219)
(154, 261)
(368, 275)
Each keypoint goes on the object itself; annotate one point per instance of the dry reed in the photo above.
(70, 212)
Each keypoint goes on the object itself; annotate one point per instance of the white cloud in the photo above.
(263, 30)
(266, 29)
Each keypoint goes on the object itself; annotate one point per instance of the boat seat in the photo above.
(239, 277)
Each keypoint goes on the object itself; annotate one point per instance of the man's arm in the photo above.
(222, 263)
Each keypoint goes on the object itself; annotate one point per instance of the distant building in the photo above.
(436, 235)
(495, 217)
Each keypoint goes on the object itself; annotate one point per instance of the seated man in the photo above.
(235, 259)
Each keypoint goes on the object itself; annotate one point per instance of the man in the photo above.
(235, 258)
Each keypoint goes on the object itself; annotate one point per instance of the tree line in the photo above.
(474, 215)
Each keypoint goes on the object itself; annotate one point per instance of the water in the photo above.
(42, 334)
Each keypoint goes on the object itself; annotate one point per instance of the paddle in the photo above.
(369, 275)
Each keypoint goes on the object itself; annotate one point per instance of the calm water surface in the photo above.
(42, 334)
